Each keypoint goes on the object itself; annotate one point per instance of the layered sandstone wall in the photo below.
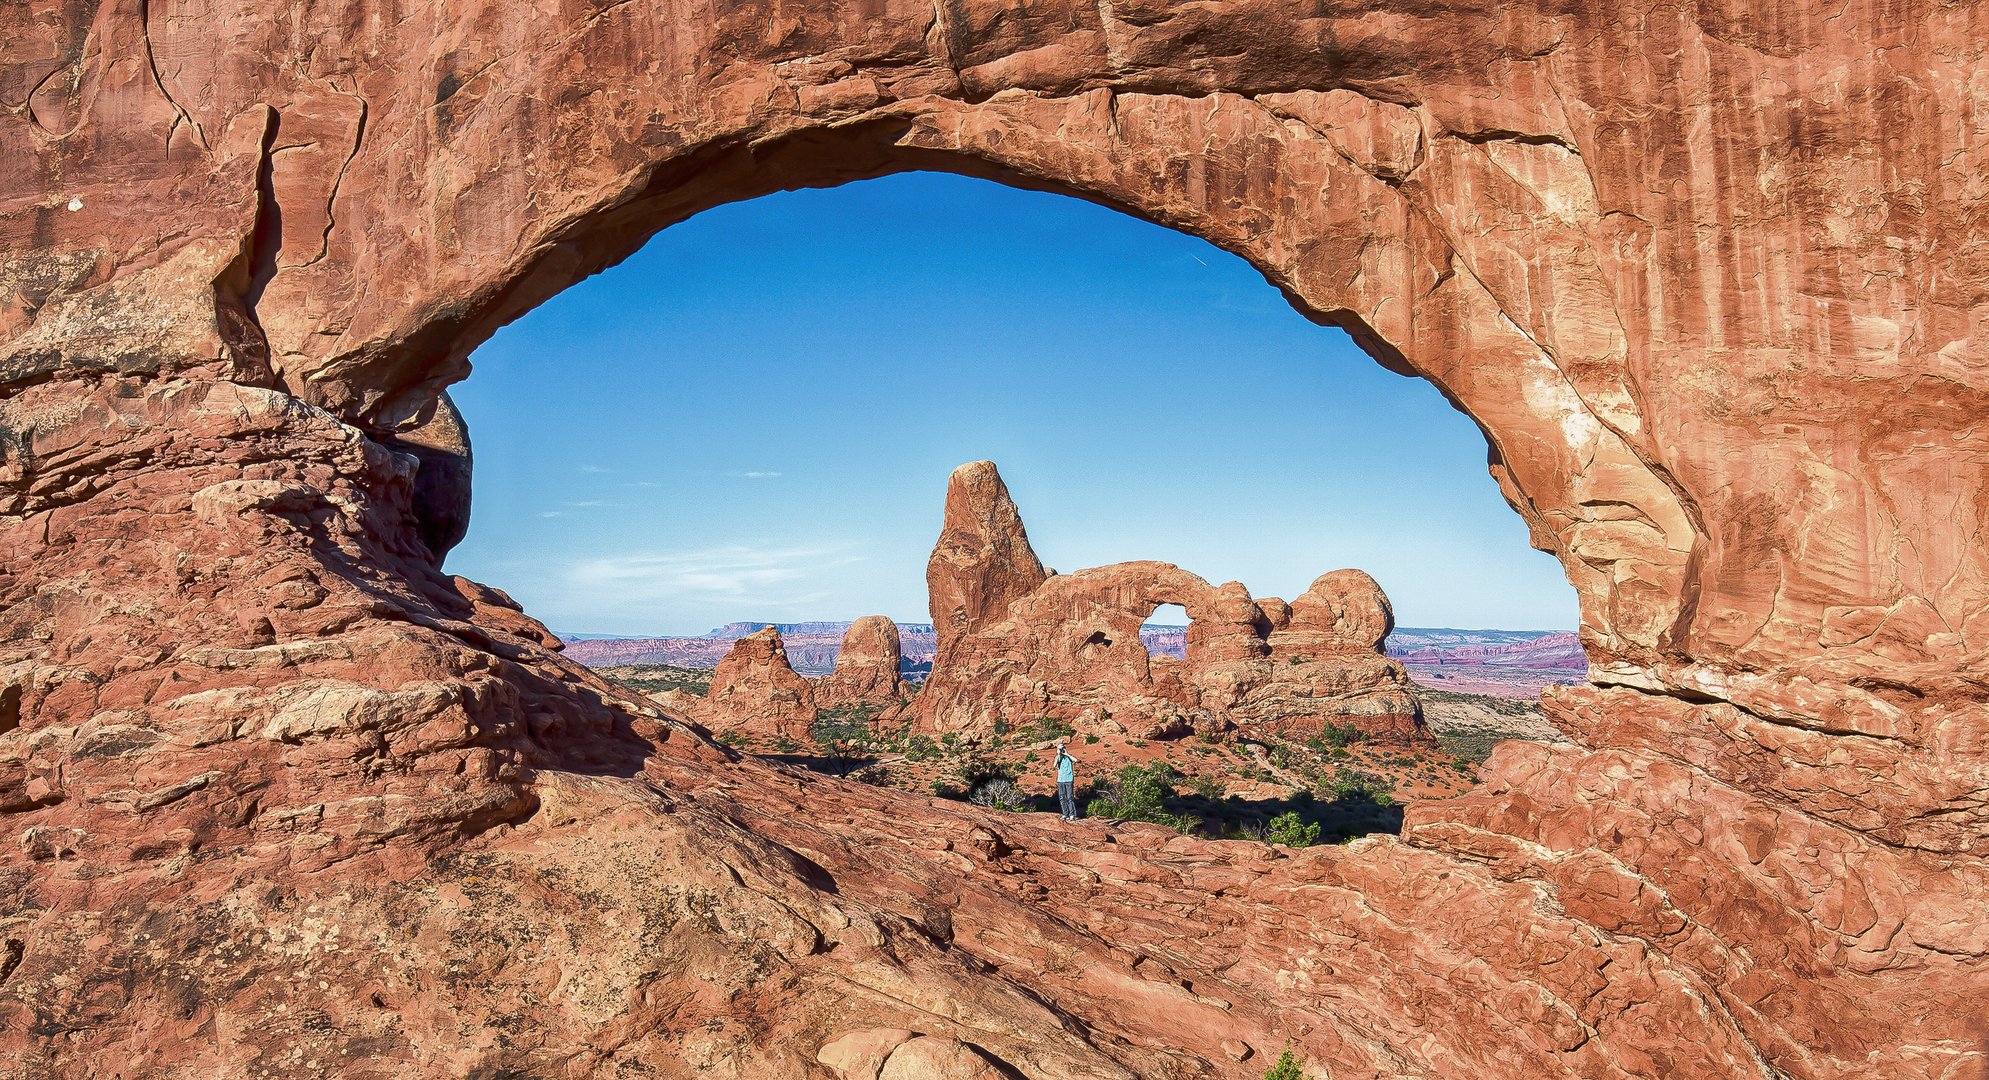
(284, 799)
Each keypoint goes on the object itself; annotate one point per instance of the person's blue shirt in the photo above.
(1066, 768)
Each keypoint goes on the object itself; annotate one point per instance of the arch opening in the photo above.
(1040, 353)
(1165, 632)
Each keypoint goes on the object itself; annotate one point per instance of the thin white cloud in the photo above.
(592, 469)
(736, 575)
(553, 513)
(759, 475)
(594, 503)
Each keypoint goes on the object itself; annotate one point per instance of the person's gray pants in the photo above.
(1067, 797)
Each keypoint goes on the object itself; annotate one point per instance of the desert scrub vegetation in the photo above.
(1289, 1066)
(656, 678)
(1048, 729)
(1291, 830)
(999, 793)
(1355, 786)
(1139, 793)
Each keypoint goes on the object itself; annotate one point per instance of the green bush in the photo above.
(976, 768)
(920, 748)
(1338, 735)
(1355, 786)
(1288, 1067)
(1208, 787)
(1289, 830)
(1140, 793)
(1046, 729)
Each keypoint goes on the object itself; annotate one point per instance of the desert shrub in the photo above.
(1047, 728)
(1139, 793)
(1247, 829)
(845, 725)
(876, 775)
(1288, 829)
(1337, 735)
(1208, 787)
(947, 789)
(786, 745)
(1287, 1067)
(1091, 740)
(1355, 786)
(974, 769)
(920, 748)
(998, 793)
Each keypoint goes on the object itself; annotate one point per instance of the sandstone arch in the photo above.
(1709, 276)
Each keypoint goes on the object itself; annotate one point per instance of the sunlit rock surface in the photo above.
(1069, 647)
(282, 799)
(866, 671)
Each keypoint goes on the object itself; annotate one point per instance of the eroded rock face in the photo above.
(982, 562)
(754, 691)
(1710, 277)
(1069, 649)
(866, 672)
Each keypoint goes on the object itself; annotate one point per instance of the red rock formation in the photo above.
(1070, 649)
(754, 691)
(285, 799)
(982, 562)
(866, 667)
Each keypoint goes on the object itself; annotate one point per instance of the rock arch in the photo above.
(1707, 278)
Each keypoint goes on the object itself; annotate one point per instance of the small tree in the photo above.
(1289, 830)
(1355, 786)
(1139, 793)
(1288, 1067)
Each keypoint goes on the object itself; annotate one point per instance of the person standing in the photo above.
(1066, 783)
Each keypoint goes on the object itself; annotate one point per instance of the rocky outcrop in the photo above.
(440, 446)
(754, 692)
(283, 798)
(866, 672)
(982, 562)
(1070, 648)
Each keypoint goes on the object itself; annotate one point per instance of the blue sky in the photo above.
(754, 418)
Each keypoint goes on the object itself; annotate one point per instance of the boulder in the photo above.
(860, 1055)
(933, 1057)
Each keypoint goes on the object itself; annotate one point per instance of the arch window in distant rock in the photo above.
(1165, 632)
